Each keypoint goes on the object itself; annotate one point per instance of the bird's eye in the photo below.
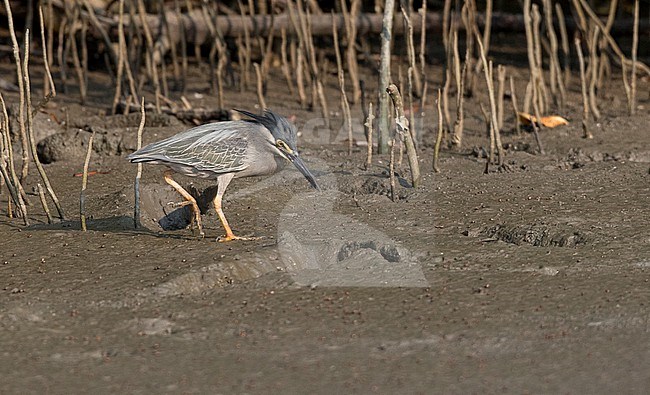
(281, 144)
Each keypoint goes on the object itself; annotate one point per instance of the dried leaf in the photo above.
(550, 121)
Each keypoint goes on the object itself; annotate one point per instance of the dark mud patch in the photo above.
(577, 157)
(537, 235)
(125, 121)
(375, 186)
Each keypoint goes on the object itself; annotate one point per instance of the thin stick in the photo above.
(384, 77)
(350, 19)
(391, 169)
(260, 86)
(60, 53)
(459, 124)
(21, 110)
(30, 129)
(22, 197)
(423, 43)
(150, 49)
(449, 64)
(41, 195)
(317, 83)
(610, 40)
(84, 183)
(593, 65)
(120, 58)
(436, 148)
(50, 37)
(565, 44)
(540, 84)
(7, 168)
(285, 61)
(494, 129)
(635, 44)
(345, 106)
(515, 108)
(535, 84)
(501, 78)
(138, 176)
(445, 24)
(247, 46)
(556, 81)
(72, 39)
(179, 17)
(583, 83)
(488, 26)
(99, 27)
(297, 54)
(403, 128)
(49, 88)
(369, 131)
(410, 47)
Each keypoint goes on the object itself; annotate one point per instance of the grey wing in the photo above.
(219, 148)
(222, 155)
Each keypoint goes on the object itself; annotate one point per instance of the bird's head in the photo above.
(284, 140)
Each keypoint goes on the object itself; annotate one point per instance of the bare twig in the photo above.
(345, 106)
(30, 129)
(501, 78)
(391, 170)
(285, 62)
(635, 44)
(403, 129)
(556, 81)
(536, 83)
(494, 129)
(120, 58)
(84, 182)
(410, 47)
(247, 46)
(41, 196)
(21, 109)
(459, 124)
(515, 108)
(369, 131)
(423, 43)
(436, 148)
(151, 53)
(138, 176)
(565, 44)
(260, 86)
(351, 51)
(7, 167)
(593, 67)
(384, 76)
(49, 88)
(610, 40)
(583, 83)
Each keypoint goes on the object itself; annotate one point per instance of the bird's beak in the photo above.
(295, 159)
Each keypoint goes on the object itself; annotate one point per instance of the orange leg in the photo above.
(189, 200)
(223, 184)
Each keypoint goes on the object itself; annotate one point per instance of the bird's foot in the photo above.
(198, 232)
(179, 204)
(232, 237)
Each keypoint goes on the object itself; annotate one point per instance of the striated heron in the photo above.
(223, 151)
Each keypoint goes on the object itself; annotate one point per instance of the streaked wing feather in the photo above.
(217, 147)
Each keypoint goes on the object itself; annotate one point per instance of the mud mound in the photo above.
(374, 186)
(578, 156)
(73, 144)
(125, 121)
(537, 235)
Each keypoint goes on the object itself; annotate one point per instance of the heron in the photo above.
(261, 145)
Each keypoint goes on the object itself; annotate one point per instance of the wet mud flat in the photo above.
(532, 279)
